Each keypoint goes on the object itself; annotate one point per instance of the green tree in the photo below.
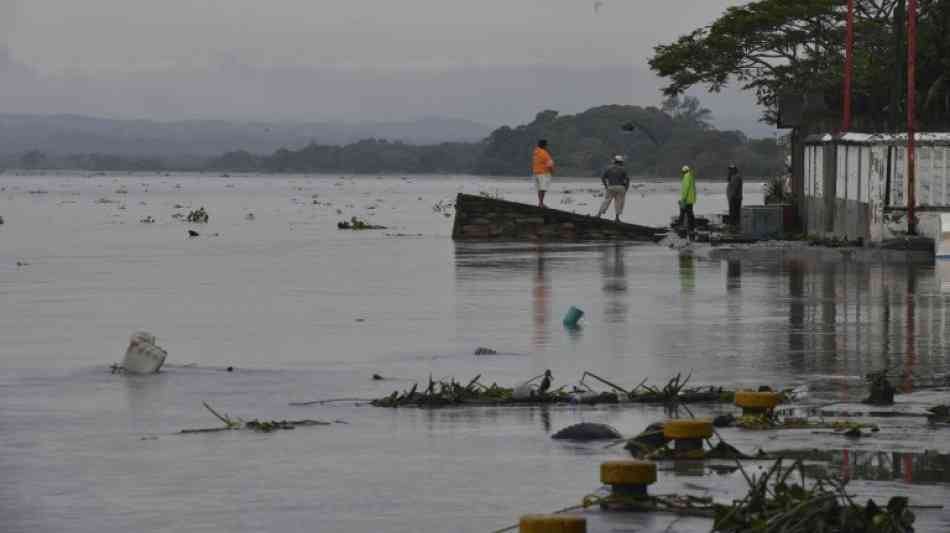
(687, 110)
(775, 47)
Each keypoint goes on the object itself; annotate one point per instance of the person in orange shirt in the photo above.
(542, 166)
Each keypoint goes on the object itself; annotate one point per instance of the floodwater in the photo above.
(303, 311)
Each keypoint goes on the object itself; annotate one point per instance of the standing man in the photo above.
(687, 200)
(616, 182)
(734, 195)
(542, 166)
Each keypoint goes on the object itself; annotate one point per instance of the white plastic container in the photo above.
(143, 356)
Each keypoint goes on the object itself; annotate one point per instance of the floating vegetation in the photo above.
(449, 392)
(263, 426)
(775, 504)
(357, 224)
(770, 422)
(481, 350)
(675, 390)
(444, 393)
(198, 216)
(147, 220)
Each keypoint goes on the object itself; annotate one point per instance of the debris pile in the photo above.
(446, 393)
(775, 504)
(357, 224)
(198, 216)
(262, 426)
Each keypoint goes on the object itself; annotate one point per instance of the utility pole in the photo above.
(900, 65)
(911, 116)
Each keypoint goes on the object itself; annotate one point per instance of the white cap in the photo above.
(618, 159)
(685, 168)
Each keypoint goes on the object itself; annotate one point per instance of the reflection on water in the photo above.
(851, 318)
(917, 468)
(541, 304)
(794, 314)
(687, 265)
(910, 351)
(614, 273)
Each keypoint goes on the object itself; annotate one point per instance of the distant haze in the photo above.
(489, 61)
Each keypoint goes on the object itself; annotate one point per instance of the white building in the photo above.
(855, 186)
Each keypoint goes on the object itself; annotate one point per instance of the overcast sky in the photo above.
(118, 34)
(107, 39)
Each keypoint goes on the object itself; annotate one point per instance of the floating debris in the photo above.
(357, 224)
(147, 220)
(143, 356)
(775, 504)
(1, 221)
(198, 216)
(192, 233)
(588, 431)
(249, 216)
(262, 426)
(481, 350)
(447, 393)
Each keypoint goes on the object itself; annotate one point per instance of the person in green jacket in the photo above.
(687, 200)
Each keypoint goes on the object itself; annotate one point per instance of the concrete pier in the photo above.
(484, 218)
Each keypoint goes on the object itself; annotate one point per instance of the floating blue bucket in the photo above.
(572, 317)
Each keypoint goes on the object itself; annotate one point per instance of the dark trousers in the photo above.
(686, 215)
(735, 210)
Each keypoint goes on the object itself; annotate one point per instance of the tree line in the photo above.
(655, 141)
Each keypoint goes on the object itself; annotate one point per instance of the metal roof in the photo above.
(929, 138)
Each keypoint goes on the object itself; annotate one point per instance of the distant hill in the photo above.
(656, 142)
(59, 135)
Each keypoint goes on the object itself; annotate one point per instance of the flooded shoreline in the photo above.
(305, 312)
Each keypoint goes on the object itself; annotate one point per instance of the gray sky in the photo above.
(145, 57)
(122, 34)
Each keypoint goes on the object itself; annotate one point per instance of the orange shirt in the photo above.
(541, 162)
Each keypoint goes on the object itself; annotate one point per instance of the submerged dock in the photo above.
(485, 218)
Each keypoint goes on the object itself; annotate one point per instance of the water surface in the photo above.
(304, 311)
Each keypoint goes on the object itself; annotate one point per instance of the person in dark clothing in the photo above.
(734, 195)
(616, 182)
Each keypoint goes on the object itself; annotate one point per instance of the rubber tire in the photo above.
(757, 400)
(560, 523)
(688, 429)
(630, 472)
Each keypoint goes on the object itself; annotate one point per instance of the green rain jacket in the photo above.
(688, 194)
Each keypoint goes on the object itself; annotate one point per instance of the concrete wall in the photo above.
(854, 187)
(483, 218)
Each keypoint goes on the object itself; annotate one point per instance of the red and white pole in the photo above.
(911, 116)
(848, 69)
